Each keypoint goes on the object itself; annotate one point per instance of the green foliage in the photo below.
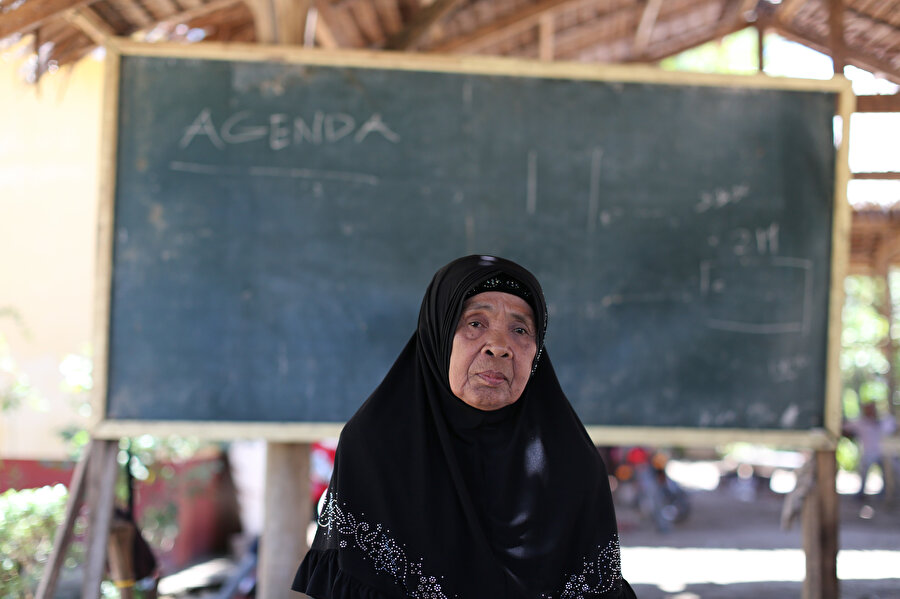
(28, 523)
(735, 53)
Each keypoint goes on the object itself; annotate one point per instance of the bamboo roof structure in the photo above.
(862, 33)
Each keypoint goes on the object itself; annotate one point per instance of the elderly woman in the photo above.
(467, 474)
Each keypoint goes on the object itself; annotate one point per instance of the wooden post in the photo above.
(64, 534)
(820, 530)
(288, 513)
(101, 496)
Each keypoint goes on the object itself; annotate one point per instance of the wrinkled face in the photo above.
(493, 348)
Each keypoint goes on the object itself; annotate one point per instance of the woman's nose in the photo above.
(497, 346)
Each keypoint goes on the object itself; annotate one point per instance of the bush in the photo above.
(28, 522)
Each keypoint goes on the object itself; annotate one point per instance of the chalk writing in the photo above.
(721, 197)
(281, 130)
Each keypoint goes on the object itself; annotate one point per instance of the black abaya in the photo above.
(434, 499)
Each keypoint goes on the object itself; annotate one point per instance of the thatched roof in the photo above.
(863, 33)
(579, 30)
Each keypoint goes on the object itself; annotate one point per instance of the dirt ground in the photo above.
(732, 547)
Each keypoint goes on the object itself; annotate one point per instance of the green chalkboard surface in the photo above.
(276, 225)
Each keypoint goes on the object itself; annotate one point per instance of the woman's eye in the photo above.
(520, 331)
(475, 324)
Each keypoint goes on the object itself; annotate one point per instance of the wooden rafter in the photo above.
(90, 24)
(503, 27)
(198, 11)
(787, 10)
(731, 14)
(546, 34)
(836, 34)
(420, 24)
(883, 176)
(645, 27)
(335, 21)
(27, 16)
(323, 34)
(882, 103)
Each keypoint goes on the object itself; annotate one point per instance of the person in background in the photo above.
(466, 474)
(869, 430)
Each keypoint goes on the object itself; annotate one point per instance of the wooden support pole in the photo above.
(546, 33)
(760, 47)
(836, 34)
(820, 530)
(65, 532)
(101, 495)
(288, 513)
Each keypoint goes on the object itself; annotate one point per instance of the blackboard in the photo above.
(276, 224)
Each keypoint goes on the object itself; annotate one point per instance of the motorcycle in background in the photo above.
(641, 483)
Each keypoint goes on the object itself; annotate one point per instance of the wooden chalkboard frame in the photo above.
(103, 427)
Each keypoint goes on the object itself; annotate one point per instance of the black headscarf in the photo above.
(434, 499)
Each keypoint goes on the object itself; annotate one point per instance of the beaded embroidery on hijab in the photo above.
(434, 499)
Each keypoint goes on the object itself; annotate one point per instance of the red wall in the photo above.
(198, 491)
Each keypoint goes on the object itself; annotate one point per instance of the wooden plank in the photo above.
(840, 252)
(24, 17)
(263, 20)
(288, 513)
(760, 47)
(65, 531)
(367, 20)
(91, 24)
(420, 24)
(731, 14)
(199, 11)
(820, 531)
(546, 34)
(103, 481)
(836, 34)
(389, 13)
(323, 35)
(645, 27)
(787, 10)
(511, 24)
(886, 176)
(340, 24)
(290, 20)
(105, 211)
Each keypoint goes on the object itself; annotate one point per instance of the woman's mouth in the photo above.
(492, 377)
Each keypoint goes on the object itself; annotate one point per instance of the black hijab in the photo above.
(434, 499)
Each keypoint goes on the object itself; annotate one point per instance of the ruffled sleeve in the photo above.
(320, 576)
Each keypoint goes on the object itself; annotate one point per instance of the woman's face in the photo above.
(493, 349)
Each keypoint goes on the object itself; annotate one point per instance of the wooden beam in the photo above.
(90, 24)
(886, 176)
(290, 20)
(344, 32)
(786, 11)
(731, 13)
(420, 24)
(836, 34)
(502, 28)
(645, 27)
(820, 530)
(879, 103)
(760, 47)
(263, 20)
(198, 11)
(323, 35)
(26, 16)
(546, 32)
(287, 515)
